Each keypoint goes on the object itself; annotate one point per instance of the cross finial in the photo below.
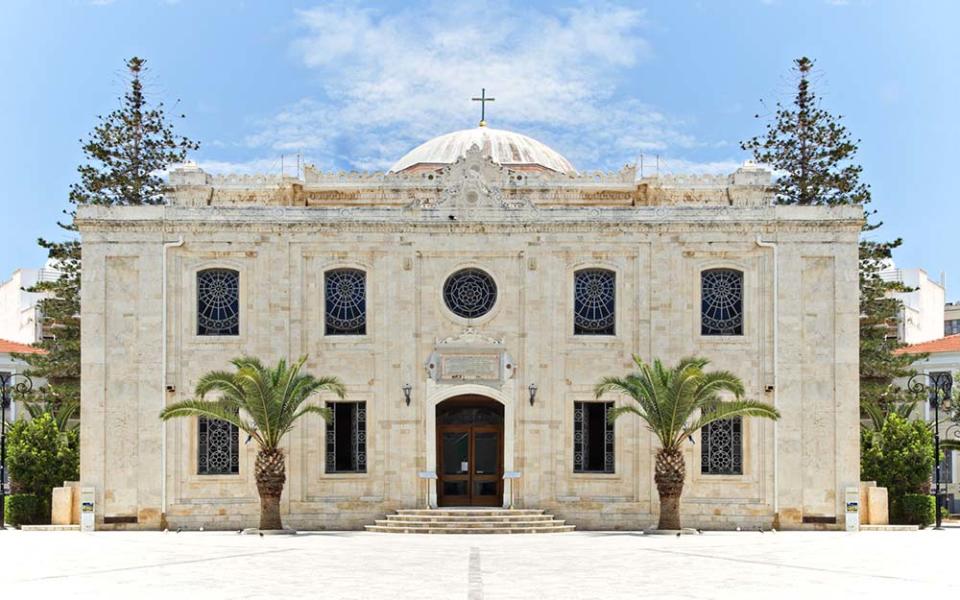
(483, 105)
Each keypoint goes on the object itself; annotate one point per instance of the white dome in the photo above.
(503, 147)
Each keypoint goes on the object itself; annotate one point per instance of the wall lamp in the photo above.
(533, 392)
(406, 392)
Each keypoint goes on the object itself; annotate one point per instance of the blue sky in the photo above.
(354, 86)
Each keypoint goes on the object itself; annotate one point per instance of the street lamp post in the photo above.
(939, 387)
(6, 386)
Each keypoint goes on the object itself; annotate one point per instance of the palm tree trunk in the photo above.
(270, 474)
(668, 476)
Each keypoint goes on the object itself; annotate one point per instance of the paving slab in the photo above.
(580, 565)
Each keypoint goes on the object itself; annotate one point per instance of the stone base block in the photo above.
(61, 506)
(877, 507)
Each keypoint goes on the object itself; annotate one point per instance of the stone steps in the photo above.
(467, 524)
(466, 512)
(470, 520)
(494, 530)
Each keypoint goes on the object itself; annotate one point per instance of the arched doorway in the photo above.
(469, 452)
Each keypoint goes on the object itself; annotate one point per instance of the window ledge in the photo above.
(345, 475)
(220, 477)
(597, 475)
(725, 340)
(209, 340)
(594, 340)
(709, 478)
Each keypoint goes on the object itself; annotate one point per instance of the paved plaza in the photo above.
(576, 565)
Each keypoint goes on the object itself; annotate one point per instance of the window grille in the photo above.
(721, 299)
(593, 441)
(721, 448)
(594, 298)
(946, 468)
(470, 293)
(218, 447)
(218, 302)
(346, 302)
(347, 437)
(939, 387)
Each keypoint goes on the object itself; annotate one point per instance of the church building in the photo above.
(470, 298)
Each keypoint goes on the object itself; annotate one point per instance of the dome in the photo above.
(503, 147)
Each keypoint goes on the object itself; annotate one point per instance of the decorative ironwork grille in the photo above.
(218, 447)
(346, 437)
(594, 298)
(593, 441)
(346, 302)
(940, 388)
(218, 302)
(946, 468)
(470, 293)
(721, 297)
(721, 450)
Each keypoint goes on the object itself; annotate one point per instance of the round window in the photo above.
(470, 293)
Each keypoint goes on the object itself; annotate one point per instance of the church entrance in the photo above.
(470, 452)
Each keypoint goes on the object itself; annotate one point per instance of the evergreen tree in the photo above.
(126, 154)
(813, 154)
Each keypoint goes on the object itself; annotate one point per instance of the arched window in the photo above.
(218, 302)
(721, 302)
(470, 293)
(346, 302)
(218, 447)
(721, 450)
(594, 302)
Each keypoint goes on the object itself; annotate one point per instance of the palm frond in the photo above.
(263, 402)
(674, 402)
(729, 410)
(325, 413)
(211, 409)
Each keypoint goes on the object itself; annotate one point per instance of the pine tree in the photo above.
(126, 154)
(813, 154)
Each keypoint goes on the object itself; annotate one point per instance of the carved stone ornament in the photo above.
(470, 357)
(473, 182)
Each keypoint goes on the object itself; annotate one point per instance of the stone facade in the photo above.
(530, 230)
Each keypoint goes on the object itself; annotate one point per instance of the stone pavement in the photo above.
(354, 565)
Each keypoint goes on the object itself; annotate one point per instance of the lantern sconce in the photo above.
(407, 388)
(533, 392)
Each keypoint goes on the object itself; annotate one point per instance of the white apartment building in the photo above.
(19, 317)
(921, 318)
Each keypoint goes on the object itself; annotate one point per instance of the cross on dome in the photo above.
(483, 105)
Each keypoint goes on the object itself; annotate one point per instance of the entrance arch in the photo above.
(437, 394)
(470, 432)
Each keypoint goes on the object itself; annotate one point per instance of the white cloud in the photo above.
(256, 166)
(672, 165)
(392, 81)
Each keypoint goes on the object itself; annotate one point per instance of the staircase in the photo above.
(470, 520)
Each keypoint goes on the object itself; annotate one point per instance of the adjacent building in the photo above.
(951, 318)
(943, 361)
(922, 312)
(470, 298)
(20, 320)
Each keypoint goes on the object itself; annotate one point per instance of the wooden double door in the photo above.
(470, 453)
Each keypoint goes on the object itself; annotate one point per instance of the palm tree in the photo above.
(265, 404)
(675, 403)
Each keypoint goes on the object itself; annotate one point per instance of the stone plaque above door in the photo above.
(470, 357)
